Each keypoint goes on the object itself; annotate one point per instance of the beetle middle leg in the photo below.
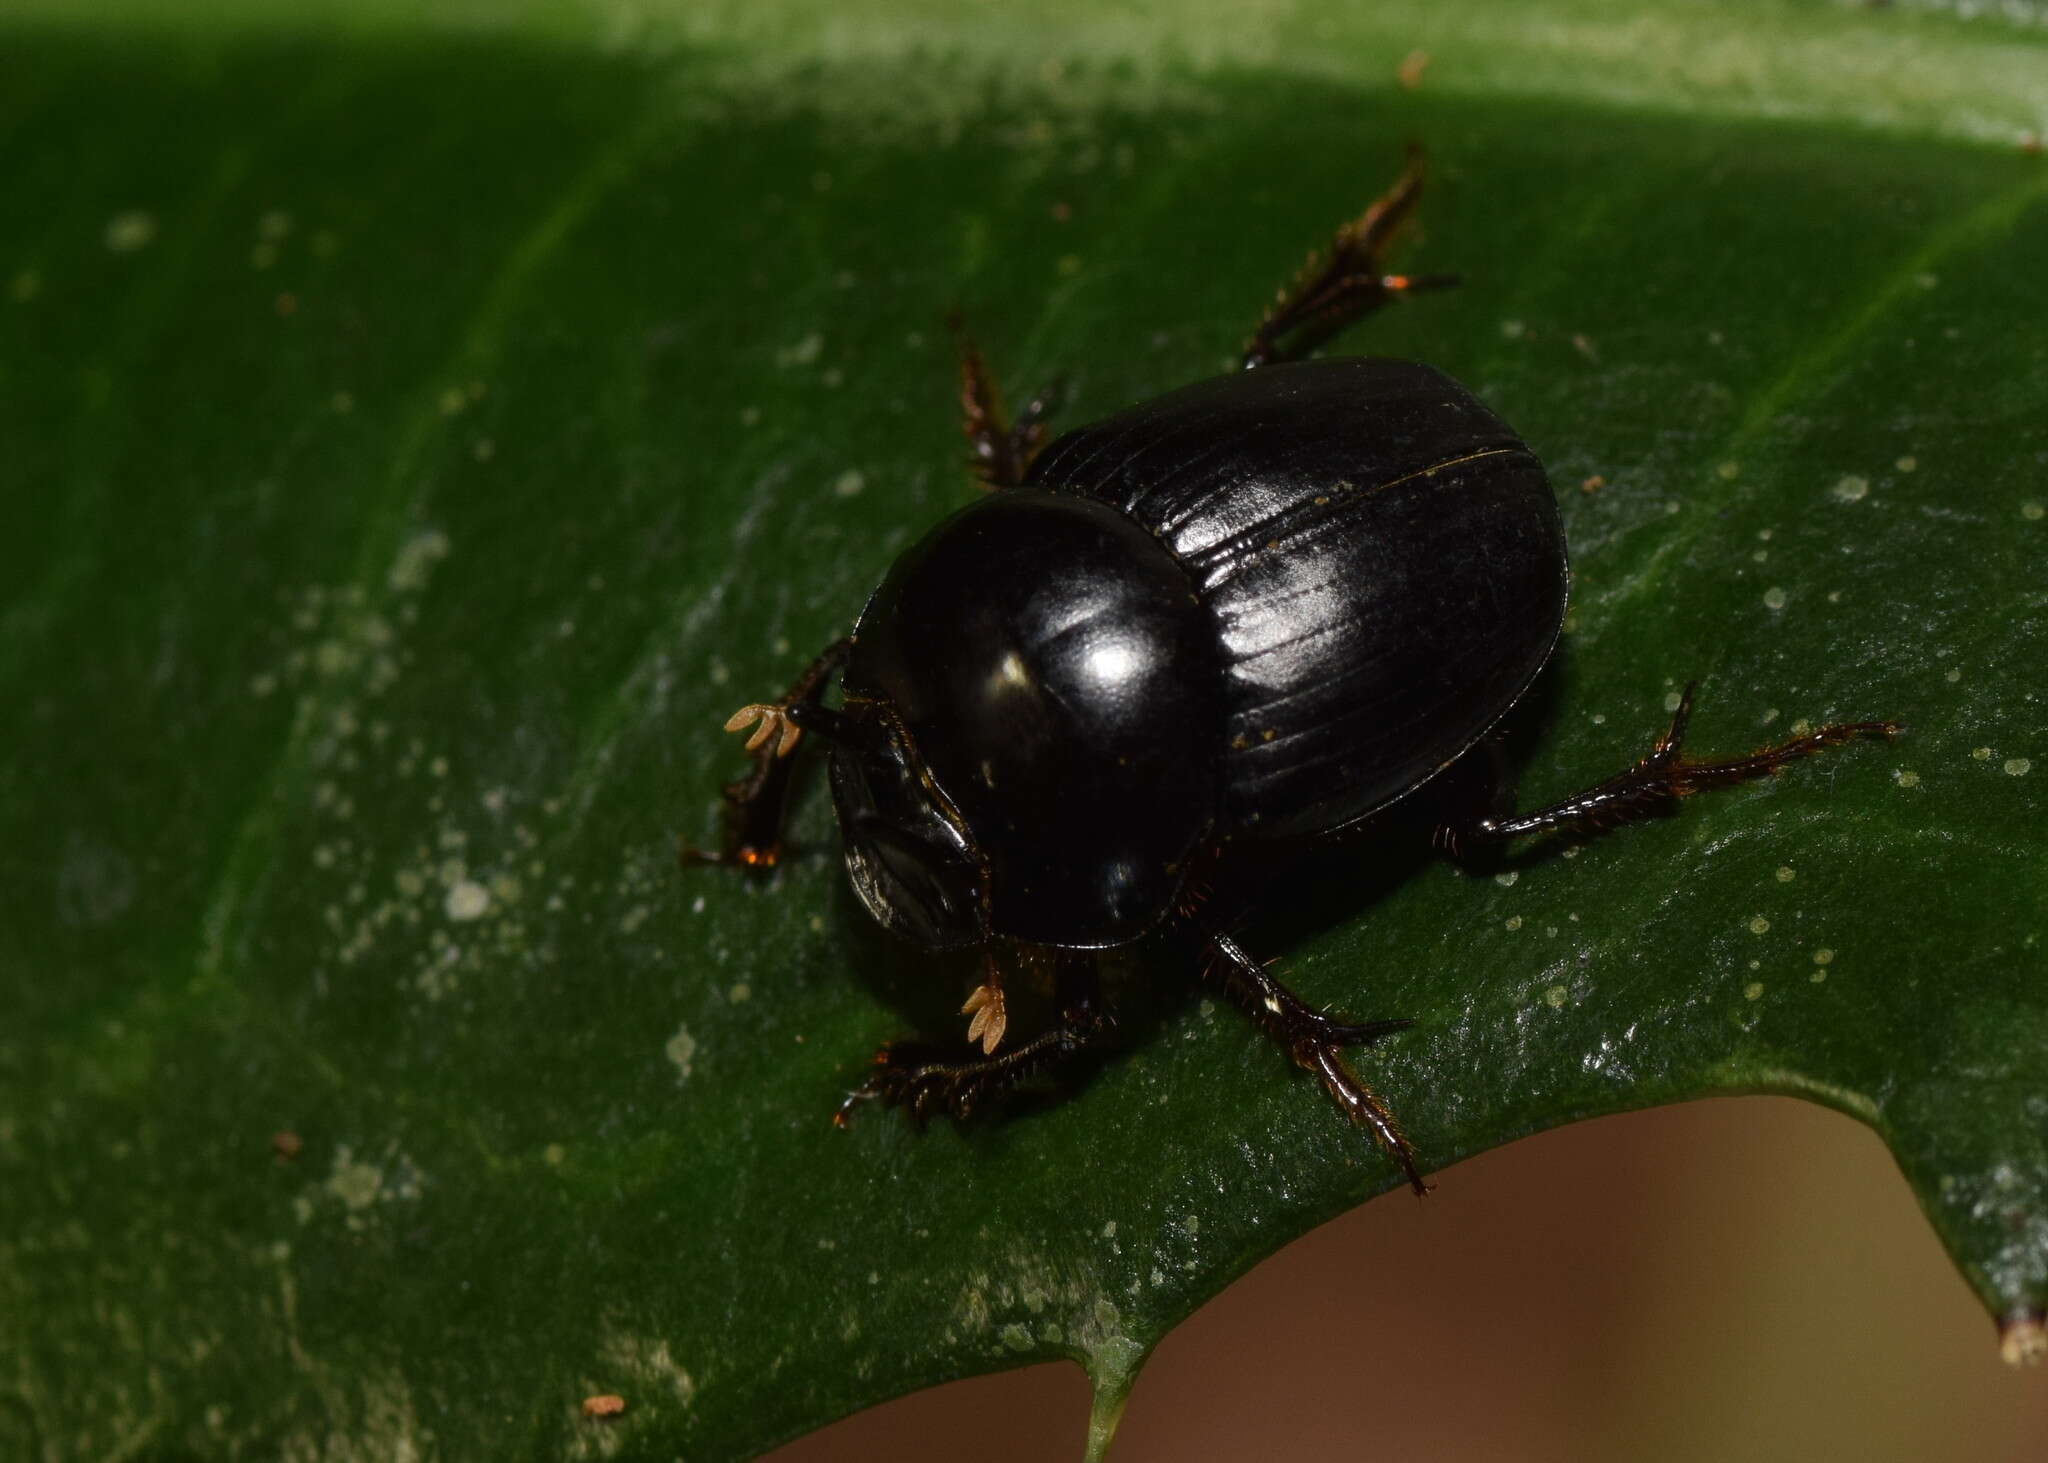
(757, 804)
(999, 453)
(923, 1077)
(1338, 288)
(1315, 1042)
(1655, 782)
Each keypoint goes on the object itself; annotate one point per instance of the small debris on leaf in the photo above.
(2022, 1340)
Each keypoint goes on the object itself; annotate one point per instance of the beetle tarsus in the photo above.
(1659, 779)
(1341, 286)
(923, 1079)
(1315, 1042)
(1000, 454)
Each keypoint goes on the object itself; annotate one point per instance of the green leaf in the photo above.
(422, 436)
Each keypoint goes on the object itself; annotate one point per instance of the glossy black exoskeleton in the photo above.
(1257, 609)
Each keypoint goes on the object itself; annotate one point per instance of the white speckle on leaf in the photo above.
(2018, 766)
(682, 1050)
(1850, 488)
(414, 564)
(1758, 925)
(467, 900)
(803, 353)
(1751, 991)
(849, 483)
(130, 230)
(355, 1184)
(1774, 598)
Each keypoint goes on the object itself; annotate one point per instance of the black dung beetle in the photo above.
(1257, 609)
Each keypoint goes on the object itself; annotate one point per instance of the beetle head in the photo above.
(907, 856)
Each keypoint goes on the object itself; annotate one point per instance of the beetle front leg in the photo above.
(923, 1077)
(999, 454)
(1658, 780)
(1315, 1042)
(1339, 288)
(757, 804)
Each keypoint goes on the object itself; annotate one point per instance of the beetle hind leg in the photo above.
(1659, 779)
(1341, 286)
(1315, 1042)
